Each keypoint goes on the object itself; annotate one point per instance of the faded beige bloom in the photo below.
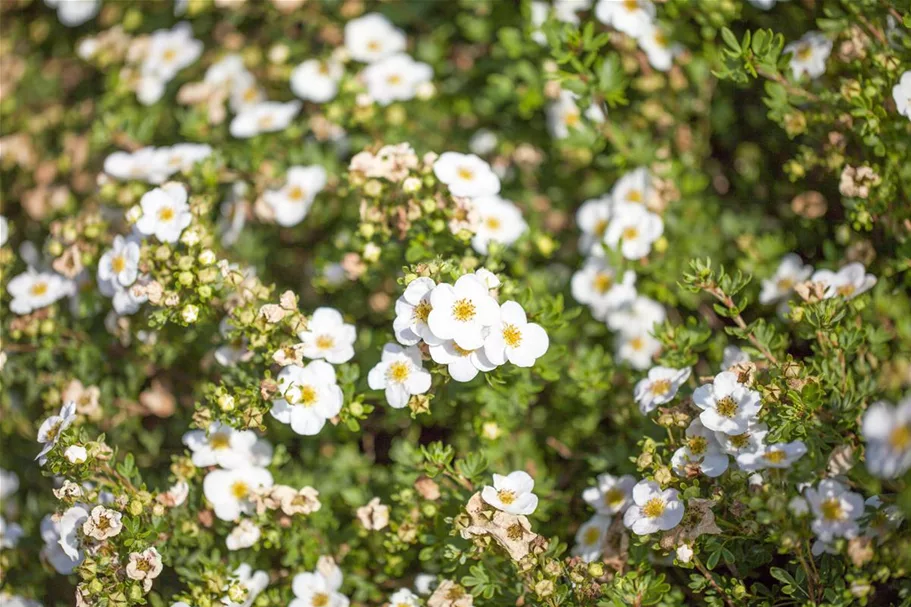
(450, 594)
(144, 566)
(68, 490)
(273, 313)
(86, 398)
(856, 182)
(374, 516)
(175, 496)
(512, 532)
(102, 523)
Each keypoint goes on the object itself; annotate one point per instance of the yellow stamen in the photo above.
(653, 508)
(398, 371)
(464, 310)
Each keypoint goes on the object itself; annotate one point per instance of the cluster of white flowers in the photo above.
(622, 221)
(310, 395)
(887, 430)
(636, 19)
(167, 52)
(564, 11)
(232, 79)
(33, 290)
(463, 326)
(155, 164)
(118, 270)
(809, 55)
(848, 282)
(319, 588)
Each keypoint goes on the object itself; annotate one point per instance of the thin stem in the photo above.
(728, 303)
(789, 87)
(705, 572)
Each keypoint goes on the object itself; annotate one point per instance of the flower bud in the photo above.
(76, 454)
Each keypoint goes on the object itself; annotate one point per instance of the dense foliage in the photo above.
(330, 302)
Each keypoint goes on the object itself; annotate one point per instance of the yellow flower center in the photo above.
(307, 396)
(422, 311)
(697, 445)
(219, 441)
(631, 233)
(265, 122)
(512, 336)
(785, 284)
(726, 407)
(393, 79)
(775, 456)
(506, 496)
(465, 173)
(653, 508)
(592, 535)
(324, 342)
(739, 441)
(661, 387)
(601, 227)
(166, 213)
(631, 5)
(323, 69)
(804, 52)
(637, 343)
(634, 195)
(320, 599)
(614, 496)
(51, 433)
(250, 94)
(296, 193)
(118, 264)
(603, 282)
(374, 46)
(571, 119)
(832, 509)
(846, 290)
(398, 371)
(240, 490)
(38, 289)
(169, 55)
(661, 40)
(493, 223)
(461, 351)
(900, 438)
(464, 310)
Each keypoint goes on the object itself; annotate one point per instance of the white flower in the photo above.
(372, 37)
(254, 582)
(490, 280)
(592, 218)
(228, 72)
(565, 10)
(887, 431)
(76, 454)
(395, 78)
(727, 405)
(632, 17)
(611, 495)
(462, 312)
(317, 81)
(424, 583)
(4, 230)
(564, 115)
(182, 156)
(246, 93)
(745, 443)
(763, 4)
(500, 221)
(798, 506)
(684, 553)
(659, 387)
(9, 483)
(51, 428)
(849, 282)
(512, 493)
(901, 93)
(165, 212)
(74, 12)
(658, 49)
(634, 228)
(292, 202)
(538, 15)
(263, 117)
(466, 175)
(120, 263)
(733, 356)
(404, 598)
(515, 339)
(702, 449)
(790, 272)
(637, 317)
(328, 336)
(221, 445)
(411, 312)
(590, 538)
(633, 188)
(103, 523)
(836, 510)
(169, 51)
(309, 397)
(463, 365)
(10, 534)
(652, 509)
(638, 350)
(809, 54)
(230, 491)
(483, 142)
(53, 549)
(244, 535)
(596, 285)
(778, 455)
(148, 164)
(33, 290)
(70, 523)
(316, 589)
(400, 373)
